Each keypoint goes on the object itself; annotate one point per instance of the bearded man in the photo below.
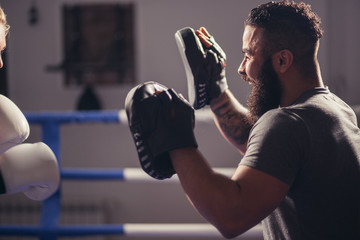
(300, 171)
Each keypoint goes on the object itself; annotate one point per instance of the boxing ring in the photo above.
(49, 228)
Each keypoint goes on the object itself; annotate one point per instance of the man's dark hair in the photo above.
(289, 25)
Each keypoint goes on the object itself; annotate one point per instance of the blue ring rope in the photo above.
(62, 231)
(92, 174)
(73, 117)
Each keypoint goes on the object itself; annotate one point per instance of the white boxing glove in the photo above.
(14, 128)
(31, 168)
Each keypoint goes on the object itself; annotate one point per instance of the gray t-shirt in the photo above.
(314, 146)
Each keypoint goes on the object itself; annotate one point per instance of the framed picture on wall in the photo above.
(98, 44)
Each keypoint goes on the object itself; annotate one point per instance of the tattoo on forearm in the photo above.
(234, 124)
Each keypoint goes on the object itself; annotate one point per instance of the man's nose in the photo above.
(241, 69)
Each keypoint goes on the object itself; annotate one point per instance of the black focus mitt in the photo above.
(160, 120)
(204, 67)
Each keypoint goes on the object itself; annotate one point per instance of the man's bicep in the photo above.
(261, 192)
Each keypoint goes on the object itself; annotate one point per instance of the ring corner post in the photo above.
(51, 207)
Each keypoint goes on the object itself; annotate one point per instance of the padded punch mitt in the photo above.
(193, 56)
(204, 67)
(160, 120)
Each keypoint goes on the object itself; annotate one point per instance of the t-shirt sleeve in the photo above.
(278, 145)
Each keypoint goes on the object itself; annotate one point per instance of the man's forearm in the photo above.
(232, 119)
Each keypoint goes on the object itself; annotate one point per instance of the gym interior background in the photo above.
(36, 77)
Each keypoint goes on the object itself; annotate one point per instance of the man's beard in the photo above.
(266, 92)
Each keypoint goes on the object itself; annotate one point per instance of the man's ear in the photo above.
(282, 60)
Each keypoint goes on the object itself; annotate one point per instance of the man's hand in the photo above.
(204, 63)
